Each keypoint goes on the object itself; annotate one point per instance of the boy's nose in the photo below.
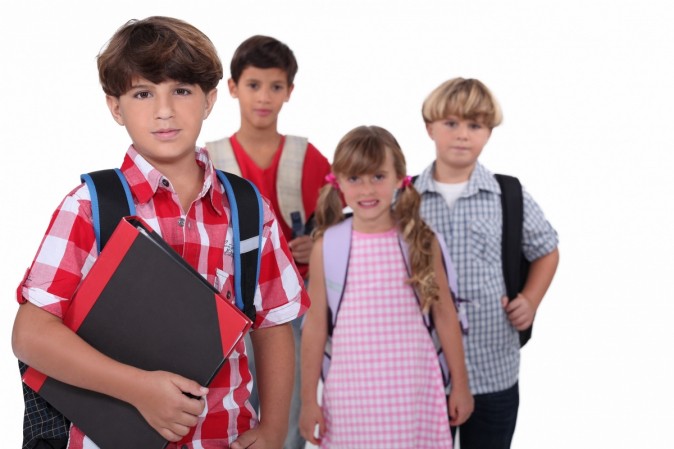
(164, 108)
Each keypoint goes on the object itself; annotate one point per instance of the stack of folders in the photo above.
(143, 305)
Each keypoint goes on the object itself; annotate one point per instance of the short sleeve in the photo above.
(66, 253)
(281, 296)
(538, 236)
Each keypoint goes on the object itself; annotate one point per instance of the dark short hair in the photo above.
(263, 52)
(158, 49)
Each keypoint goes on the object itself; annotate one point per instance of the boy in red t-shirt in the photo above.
(286, 169)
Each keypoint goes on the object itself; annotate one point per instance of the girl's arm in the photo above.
(449, 332)
(314, 337)
(41, 340)
(522, 309)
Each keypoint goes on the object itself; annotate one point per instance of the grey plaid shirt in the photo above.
(472, 229)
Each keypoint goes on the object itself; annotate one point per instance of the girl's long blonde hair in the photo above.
(361, 151)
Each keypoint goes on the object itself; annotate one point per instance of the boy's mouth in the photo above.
(166, 134)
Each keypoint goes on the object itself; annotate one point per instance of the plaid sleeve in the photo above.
(65, 255)
(280, 296)
(538, 236)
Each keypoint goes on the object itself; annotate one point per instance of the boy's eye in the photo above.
(142, 94)
(183, 91)
(277, 87)
(475, 125)
(252, 85)
(451, 123)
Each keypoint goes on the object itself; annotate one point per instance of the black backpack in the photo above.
(515, 265)
(44, 427)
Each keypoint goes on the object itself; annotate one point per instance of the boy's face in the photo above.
(458, 143)
(163, 120)
(261, 94)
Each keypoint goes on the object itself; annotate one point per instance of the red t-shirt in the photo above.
(315, 167)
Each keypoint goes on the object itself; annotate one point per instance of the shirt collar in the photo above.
(144, 180)
(480, 179)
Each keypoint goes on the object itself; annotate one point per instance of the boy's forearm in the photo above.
(275, 362)
(42, 341)
(541, 272)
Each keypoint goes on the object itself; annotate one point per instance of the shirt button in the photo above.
(184, 446)
(229, 294)
(181, 222)
(165, 182)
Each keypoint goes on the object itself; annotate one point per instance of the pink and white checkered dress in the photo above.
(384, 388)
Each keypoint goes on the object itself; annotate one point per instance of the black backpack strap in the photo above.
(515, 265)
(245, 204)
(111, 200)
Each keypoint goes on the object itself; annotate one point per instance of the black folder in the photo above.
(142, 305)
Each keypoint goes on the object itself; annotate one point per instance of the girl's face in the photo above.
(370, 196)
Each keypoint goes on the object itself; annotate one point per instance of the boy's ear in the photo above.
(113, 105)
(211, 97)
(429, 130)
(233, 90)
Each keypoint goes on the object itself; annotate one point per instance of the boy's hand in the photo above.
(258, 438)
(161, 400)
(461, 405)
(520, 311)
(300, 248)
(310, 416)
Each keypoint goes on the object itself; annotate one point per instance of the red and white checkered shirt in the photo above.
(203, 238)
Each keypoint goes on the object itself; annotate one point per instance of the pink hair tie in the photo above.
(331, 179)
(407, 180)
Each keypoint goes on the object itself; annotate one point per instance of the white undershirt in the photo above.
(450, 192)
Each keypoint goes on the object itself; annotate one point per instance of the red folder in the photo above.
(142, 305)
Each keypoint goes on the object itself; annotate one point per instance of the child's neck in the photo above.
(259, 145)
(187, 181)
(452, 175)
(379, 225)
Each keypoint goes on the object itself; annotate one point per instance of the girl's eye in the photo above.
(379, 177)
(352, 179)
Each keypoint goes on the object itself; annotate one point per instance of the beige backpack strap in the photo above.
(289, 178)
(222, 155)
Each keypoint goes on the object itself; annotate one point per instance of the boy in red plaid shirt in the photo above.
(160, 76)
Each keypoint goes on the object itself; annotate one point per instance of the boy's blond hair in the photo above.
(465, 98)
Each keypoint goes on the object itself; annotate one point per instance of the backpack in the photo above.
(515, 265)
(336, 252)
(288, 178)
(43, 425)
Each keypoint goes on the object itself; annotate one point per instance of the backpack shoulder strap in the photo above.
(289, 179)
(513, 214)
(247, 217)
(336, 251)
(515, 265)
(222, 155)
(111, 200)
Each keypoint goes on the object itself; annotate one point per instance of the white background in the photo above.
(586, 89)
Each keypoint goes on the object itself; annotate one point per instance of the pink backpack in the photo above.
(336, 251)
